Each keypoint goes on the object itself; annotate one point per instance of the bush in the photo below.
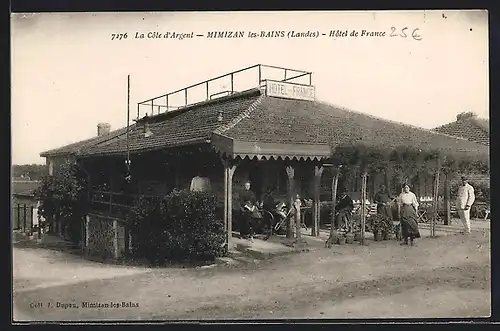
(379, 222)
(179, 227)
(63, 198)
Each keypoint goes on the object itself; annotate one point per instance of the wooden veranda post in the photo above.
(24, 218)
(110, 190)
(290, 171)
(447, 215)
(363, 207)
(335, 183)
(318, 171)
(229, 169)
(297, 221)
(226, 204)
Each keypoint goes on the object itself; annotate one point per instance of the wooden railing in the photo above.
(113, 203)
(163, 103)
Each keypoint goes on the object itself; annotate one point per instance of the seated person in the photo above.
(343, 209)
(269, 203)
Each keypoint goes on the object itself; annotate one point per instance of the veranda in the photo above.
(157, 173)
(277, 138)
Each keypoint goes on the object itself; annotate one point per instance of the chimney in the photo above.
(103, 128)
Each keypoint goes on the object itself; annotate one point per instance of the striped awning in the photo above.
(269, 151)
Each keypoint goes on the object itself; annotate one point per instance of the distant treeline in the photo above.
(29, 171)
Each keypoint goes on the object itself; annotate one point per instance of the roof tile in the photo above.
(297, 121)
(185, 126)
(250, 116)
(472, 129)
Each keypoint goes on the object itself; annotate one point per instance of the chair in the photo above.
(422, 216)
(482, 211)
(368, 210)
(487, 213)
(453, 209)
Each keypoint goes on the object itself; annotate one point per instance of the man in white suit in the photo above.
(465, 199)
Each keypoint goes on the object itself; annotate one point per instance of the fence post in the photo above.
(87, 236)
(31, 221)
(24, 218)
(39, 226)
(126, 239)
(18, 209)
(115, 239)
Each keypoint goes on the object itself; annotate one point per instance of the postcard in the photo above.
(359, 138)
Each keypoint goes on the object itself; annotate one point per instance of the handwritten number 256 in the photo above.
(403, 33)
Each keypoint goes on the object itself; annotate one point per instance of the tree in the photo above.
(466, 115)
(33, 171)
(63, 198)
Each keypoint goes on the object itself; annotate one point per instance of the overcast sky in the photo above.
(68, 75)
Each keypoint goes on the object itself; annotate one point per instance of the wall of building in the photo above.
(54, 163)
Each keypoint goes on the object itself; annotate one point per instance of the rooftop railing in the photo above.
(232, 82)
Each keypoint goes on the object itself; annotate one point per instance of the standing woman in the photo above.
(383, 201)
(408, 206)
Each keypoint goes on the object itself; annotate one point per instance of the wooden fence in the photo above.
(24, 218)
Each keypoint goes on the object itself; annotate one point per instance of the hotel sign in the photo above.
(290, 90)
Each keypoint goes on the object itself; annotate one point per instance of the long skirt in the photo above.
(249, 224)
(342, 218)
(385, 211)
(409, 224)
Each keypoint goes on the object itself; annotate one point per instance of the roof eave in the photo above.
(144, 150)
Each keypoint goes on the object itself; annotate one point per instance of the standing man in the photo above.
(465, 199)
(200, 183)
(249, 212)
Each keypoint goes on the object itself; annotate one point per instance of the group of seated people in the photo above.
(251, 213)
(251, 209)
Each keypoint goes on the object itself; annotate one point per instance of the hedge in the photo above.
(180, 227)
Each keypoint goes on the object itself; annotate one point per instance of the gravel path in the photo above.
(442, 277)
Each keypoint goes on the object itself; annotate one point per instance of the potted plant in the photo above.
(397, 231)
(341, 239)
(377, 225)
(355, 227)
(347, 230)
(340, 233)
(387, 229)
(349, 238)
(333, 239)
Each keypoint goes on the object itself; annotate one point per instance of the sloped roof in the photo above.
(189, 125)
(77, 147)
(473, 129)
(257, 119)
(285, 121)
(24, 186)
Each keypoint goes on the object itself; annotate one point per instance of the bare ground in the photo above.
(442, 277)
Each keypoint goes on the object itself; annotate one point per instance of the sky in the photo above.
(68, 74)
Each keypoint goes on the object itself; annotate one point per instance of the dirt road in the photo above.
(442, 277)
